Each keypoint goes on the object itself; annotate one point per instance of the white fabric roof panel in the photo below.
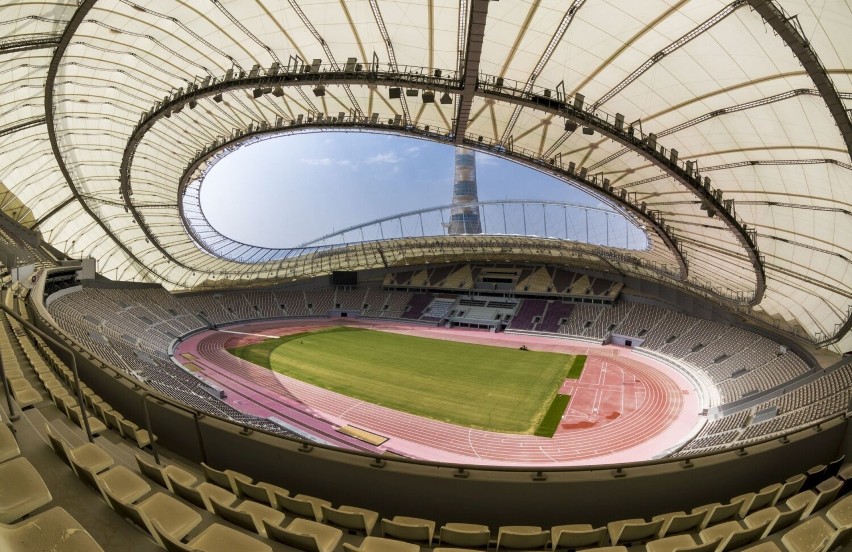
(785, 163)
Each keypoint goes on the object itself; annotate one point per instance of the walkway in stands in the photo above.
(625, 408)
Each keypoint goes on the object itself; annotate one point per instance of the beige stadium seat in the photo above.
(767, 546)
(249, 515)
(840, 513)
(409, 529)
(815, 534)
(633, 530)
(775, 519)
(25, 395)
(680, 543)
(224, 478)
(217, 538)
(126, 485)
(464, 535)
(158, 474)
(95, 425)
(578, 536)
(201, 494)
(733, 534)
(8, 444)
(133, 432)
(176, 518)
(307, 535)
(522, 537)
(378, 544)
(351, 518)
(89, 455)
(305, 506)
(260, 492)
(617, 548)
(675, 523)
(756, 501)
(816, 500)
(54, 530)
(113, 419)
(22, 490)
(717, 513)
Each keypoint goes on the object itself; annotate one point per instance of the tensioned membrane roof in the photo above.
(108, 106)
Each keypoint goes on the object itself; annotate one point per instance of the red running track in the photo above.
(624, 408)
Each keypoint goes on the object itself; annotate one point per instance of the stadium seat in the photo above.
(161, 474)
(409, 529)
(577, 536)
(717, 513)
(22, 490)
(201, 494)
(755, 501)
(633, 530)
(127, 486)
(305, 534)
(225, 479)
(260, 492)
(767, 546)
(89, 455)
(95, 425)
(351, 518)
(219, 538)
(733, 534)
(248, 515)
(55, 530)
(379, 544)
(8, 444)
(816, 499)
(522, 537)
(803, 537)
(133, 432)
(301, 505)
(840, 513)
(176, 518)
(675, 523)
(680, 543)
(464, 535)
(776, 518)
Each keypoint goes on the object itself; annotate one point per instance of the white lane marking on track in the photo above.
(246, 333)
(549, 456)
(469, 442)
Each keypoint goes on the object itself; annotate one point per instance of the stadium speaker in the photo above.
(394, 93)
(319, 91)
(217, 98)
(588, 130)
(257, 92)
(428, 97)
(570, 126)
(446, 98)
(412, 92)
(438, 73)
(192, 104)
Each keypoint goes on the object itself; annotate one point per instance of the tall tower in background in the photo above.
(464, 220)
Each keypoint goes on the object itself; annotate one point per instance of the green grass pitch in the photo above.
(577, 366)
(493, 388)
(550, 422)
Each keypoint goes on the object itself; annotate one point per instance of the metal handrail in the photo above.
(79, 394)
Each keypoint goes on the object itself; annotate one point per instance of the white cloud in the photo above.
(327, 161)
(387, 157)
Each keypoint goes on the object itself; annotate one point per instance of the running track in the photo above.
(624, 408)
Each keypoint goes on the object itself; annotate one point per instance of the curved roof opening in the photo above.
(343, 187)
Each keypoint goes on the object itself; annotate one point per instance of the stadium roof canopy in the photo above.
(723, 126)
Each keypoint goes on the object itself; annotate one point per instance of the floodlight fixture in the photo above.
(428, 97)
(446, 98)
(570, 126)
(394, 93)
(588, 130)
(319, 91)
(277, 91)
(412, 92)
(217, 98)
(192, 104)
(257, 92)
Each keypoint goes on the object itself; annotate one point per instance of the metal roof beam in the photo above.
(470, 74)
(791, 34)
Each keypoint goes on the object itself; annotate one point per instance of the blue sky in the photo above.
(289, 190)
